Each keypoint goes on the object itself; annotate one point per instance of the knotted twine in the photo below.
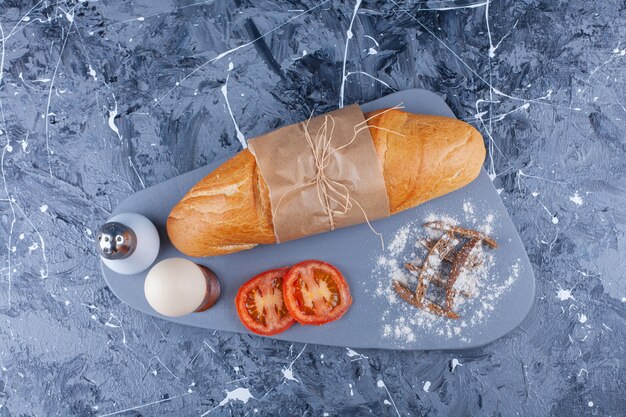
(335, 198)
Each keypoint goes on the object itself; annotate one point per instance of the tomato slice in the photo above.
(315, 293)
(260, 303)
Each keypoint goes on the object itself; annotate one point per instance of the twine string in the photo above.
(330, 191)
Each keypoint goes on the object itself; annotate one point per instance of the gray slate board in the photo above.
(353, 250)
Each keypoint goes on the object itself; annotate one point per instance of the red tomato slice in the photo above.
(260, 303)
(315, 293)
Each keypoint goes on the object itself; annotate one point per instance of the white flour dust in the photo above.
(478, 289)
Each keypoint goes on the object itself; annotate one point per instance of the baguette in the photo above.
(229, 210)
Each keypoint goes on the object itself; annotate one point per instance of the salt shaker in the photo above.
(128, 243)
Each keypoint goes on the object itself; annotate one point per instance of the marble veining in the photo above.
(99, 99)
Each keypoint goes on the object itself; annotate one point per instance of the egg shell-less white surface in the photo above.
(175, 287)
(147, 245)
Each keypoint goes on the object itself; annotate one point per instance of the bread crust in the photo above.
(422, 157)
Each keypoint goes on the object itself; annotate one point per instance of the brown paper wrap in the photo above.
(328, 179)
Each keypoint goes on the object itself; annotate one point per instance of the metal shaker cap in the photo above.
(116, 241)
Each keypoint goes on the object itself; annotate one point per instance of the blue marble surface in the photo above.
(101, 98)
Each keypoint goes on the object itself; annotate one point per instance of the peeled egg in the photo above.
(176, 286)
(145, 249)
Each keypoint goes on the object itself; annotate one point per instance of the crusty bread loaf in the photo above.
(229, 210)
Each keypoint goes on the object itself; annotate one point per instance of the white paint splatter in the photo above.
(590, 403)
(112, 115)
(564, 295)
(132, 165)
(139, 406)
(381, 384)
(238, 394)
(555, 220)
(464, 6)
(92, 73)
(115, 322)
(288, 374)
(47, 115)
(374, 40)
(141, 18)
(349, 36)
(372, 51)
(240, 136)
(370, 76)
(351, 352)
(426, 386)
(455, 363)
(43, 208)
(582, 318)
(576, 199)
(245, 45)
(288, 371)
(356, 355)
(502, 116)
(69, 16)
